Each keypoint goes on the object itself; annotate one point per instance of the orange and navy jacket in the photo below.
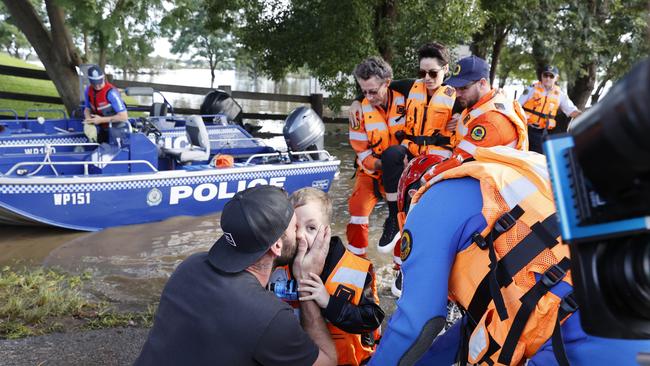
(542, 106)
(426, 120)
(493, 121)
(375, 132)
(353, 314)
(518, 248)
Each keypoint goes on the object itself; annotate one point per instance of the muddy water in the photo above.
(129, 265)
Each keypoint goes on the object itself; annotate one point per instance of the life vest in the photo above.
(510, 312)
(99, 103)
(426, 124)
(347, 279)
(380, 129)
(542, 106)
(498, 103)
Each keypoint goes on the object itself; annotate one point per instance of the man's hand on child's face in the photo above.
(316, 290)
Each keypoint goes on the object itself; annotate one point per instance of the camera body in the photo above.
(600, 174)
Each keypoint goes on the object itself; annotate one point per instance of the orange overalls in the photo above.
(369, 138)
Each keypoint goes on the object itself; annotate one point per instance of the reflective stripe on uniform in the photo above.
(445, 100)
(444, 153)
(363, 155)
(467, 146)
(350, 276)
(355, 250)
(391, 197)
(359, 220)
(359, 136)
(517, 191)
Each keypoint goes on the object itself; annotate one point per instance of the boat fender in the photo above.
(222, 161)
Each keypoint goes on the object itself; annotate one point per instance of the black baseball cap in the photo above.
(467, 70)
(95, 75)
(251, 221)
(552, 69)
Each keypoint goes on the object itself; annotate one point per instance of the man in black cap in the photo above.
(541, 101)
(103, 106)
(215, 309)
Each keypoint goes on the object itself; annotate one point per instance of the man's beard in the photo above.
(288, 253)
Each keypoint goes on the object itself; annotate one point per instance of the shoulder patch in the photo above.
(500, 106)
(406, 245)
(449, 91)
(478, 133)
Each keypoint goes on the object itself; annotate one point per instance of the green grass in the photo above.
(40, 301)
(27, 86)
(32, 86)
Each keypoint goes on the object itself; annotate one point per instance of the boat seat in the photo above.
(198, 148)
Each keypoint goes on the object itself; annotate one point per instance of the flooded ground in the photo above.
(129, 265)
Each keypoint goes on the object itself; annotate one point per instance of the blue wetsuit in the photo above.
(441, 225)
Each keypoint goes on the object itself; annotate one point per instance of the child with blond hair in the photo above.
(344, 290)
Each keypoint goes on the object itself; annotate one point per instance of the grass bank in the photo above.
(39, 301)
(15, 84)
(27, 86)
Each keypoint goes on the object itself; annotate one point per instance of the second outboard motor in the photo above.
(220, 102)
(304, 130)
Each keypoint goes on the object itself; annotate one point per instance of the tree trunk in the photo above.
(503, 78)
(55, 49)
(599, 90)
(102, 58)
(86, 56)
(581, 89)
(477, 47)
(385, 18)
(213, 65)
(501, 32)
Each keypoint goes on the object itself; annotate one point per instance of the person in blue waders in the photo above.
(497, 209)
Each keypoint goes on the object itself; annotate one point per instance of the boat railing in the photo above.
(47, 145)
(12, 111)
(84, 163)
(255, 139)
(46, 110)
(287, 154)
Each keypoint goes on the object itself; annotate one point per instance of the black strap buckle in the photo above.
(504, 223)
(553, 275)
(569, 304)
(479, 240)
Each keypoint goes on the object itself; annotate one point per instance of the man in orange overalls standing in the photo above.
(375, 137)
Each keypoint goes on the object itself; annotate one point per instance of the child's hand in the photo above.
(316, 289)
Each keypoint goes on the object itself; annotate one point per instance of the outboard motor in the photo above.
(220, 102)
(304, 130)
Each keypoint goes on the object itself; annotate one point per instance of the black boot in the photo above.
(391, 233)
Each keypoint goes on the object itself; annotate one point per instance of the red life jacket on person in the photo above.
(99, 103)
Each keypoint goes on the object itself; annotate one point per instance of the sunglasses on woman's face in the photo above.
(548, 75)
(432, 73)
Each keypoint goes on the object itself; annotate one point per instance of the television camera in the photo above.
(600, 172)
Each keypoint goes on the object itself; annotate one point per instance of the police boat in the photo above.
(134, 180)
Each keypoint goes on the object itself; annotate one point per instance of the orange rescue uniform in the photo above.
(426, 120)
(542, 106)
(369, 138)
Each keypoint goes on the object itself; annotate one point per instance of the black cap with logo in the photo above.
(251, 221)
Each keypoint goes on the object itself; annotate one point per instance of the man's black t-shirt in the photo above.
(207, 317)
